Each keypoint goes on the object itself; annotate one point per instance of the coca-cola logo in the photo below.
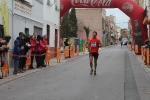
(61, 6)
(127, 7)
(93, 3)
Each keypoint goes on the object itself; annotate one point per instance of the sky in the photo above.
(121, 18)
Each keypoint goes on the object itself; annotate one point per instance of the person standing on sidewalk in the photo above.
(16, 57)
(33, 47)
(21, 39)
(45, 49)
(94, 45)
(40, 51)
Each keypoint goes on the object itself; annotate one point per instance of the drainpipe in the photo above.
(12, 22)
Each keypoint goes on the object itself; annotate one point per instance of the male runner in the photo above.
(94, 45)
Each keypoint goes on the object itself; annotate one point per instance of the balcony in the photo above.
(28, 2)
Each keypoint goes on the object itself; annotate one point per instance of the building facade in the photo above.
(23, 17)
(33, 16)
(91, 18)
(112, 28)
(51, 24)
(104, 33)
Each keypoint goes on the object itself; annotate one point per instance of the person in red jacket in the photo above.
(94, 45)
(46, 48)
(33, 49)
(40, 52)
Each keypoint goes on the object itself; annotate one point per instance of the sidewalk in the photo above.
(139, 58)
(53, 62)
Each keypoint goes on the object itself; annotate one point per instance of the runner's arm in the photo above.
(100, 44)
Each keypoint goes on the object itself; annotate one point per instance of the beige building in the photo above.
(140, 2)
(92, 18)
(105, 38)
(111, 20)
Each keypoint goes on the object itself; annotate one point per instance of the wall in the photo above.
(28, 19)
(82, 35)
(91, 18)
(51, 17)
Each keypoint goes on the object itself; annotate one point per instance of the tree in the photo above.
(73, 23)
(87, 30)
(65, 26)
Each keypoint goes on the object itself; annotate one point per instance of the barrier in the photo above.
(142, 52)
(77, 50)
(5, 67)
(66, 52)
(47, 57)
(71, 51)
(148, 62)
(144, 55)
(129, 47)
(58, 56)
(28, 60)
(137, 49)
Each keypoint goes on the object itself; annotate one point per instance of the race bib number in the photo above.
(93, 44)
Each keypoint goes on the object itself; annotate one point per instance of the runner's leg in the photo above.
(91, 63)
(95, 62)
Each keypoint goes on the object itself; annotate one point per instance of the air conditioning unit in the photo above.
(56, 8)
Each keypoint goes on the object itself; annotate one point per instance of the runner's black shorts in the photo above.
(95, 55)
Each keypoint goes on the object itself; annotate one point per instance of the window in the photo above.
(27, 31)
(38, 30)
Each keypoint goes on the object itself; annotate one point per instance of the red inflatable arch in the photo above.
(129, 7)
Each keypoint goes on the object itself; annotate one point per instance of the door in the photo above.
(26, 31)
(56, 39)
(48, 34)
(38, 30)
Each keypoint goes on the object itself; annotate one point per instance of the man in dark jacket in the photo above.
(22, 59)
(16, 56)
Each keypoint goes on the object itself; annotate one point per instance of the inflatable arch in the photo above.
(129, 7)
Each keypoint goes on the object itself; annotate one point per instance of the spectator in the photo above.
(3, 48)
(46, 48)
(40, 51)
(16, 56)
(22, 44)
(33, 49)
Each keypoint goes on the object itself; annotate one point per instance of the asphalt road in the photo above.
(119, 77)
